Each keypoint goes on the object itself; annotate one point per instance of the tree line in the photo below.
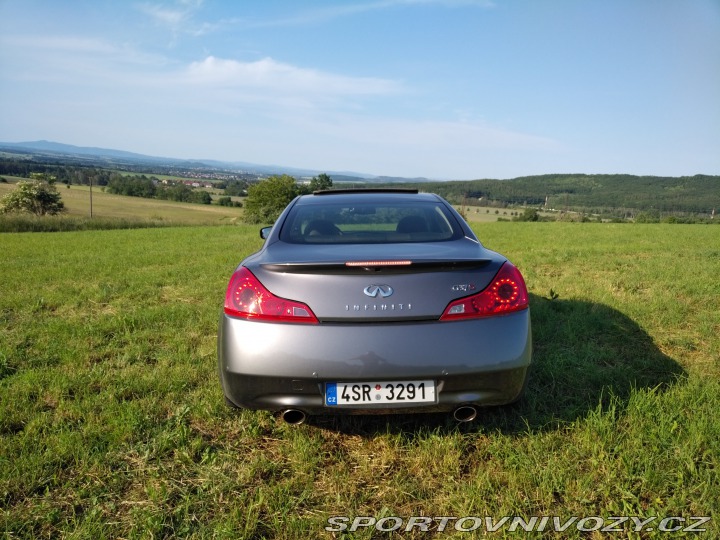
(151, 188)
(63, 173)
(618, 195)
(599, 193)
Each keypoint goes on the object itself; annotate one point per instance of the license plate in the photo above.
(379, 393)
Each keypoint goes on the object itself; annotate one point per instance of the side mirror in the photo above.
(265, 232)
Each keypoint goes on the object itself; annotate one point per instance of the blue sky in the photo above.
(448, 89)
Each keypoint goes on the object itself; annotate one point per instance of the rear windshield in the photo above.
(369, 223)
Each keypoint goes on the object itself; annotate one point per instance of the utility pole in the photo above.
(90, 177)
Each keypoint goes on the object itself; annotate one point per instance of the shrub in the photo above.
(38, 196)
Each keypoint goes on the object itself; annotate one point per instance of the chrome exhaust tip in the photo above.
(293, 416)
(465, 413)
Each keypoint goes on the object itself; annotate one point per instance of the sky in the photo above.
(442, 89)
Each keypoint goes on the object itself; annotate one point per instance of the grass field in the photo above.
(158, 213)
(112, 422)
(108, 206)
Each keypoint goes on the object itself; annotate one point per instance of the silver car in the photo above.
(373, 301)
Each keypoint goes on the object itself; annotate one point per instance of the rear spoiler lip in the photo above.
(432, 265)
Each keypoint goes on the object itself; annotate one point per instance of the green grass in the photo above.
(112, 422)
(24, 222)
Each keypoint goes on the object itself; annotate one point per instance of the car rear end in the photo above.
(400, 309)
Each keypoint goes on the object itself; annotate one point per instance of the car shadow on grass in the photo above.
(585, 355)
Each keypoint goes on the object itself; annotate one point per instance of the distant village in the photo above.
(189, 183)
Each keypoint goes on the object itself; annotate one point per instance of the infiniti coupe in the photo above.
(373, 301)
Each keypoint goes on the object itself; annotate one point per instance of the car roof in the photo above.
(372, 195)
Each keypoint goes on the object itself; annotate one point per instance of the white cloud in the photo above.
(262, 111)
(58, 44)
(68, 60)
(77, 61)
(283, 78)
(170, 17)
(179, 12)
(178, 17)
(347, 9)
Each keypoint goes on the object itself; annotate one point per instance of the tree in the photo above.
(236, 188)
(201, 197)
(268, 198)
(134, 186)
(38, 196)
(227, 201)
(321, 181)
(530, 214)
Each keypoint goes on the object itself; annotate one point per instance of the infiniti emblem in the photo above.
(373, 290)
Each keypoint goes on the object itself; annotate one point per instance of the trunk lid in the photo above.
(373, 283)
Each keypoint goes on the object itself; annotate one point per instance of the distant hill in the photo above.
(69, 149)
(698, 194)
(108, 158)
(596, 193)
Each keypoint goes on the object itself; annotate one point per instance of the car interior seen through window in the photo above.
(369, 224)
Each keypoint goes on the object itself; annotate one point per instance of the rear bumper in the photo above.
(281, 366)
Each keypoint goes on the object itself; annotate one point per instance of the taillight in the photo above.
(507, 293)
(246, 297)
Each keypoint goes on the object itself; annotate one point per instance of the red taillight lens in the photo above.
(246, 297)
(506, 293)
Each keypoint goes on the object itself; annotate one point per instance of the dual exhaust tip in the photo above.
(465, 413)
(295, 417)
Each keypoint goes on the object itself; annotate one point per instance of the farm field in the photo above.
(160, 212)
(113, 425)
(106, 205)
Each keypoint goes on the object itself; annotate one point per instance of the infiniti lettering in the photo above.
(378, 307)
